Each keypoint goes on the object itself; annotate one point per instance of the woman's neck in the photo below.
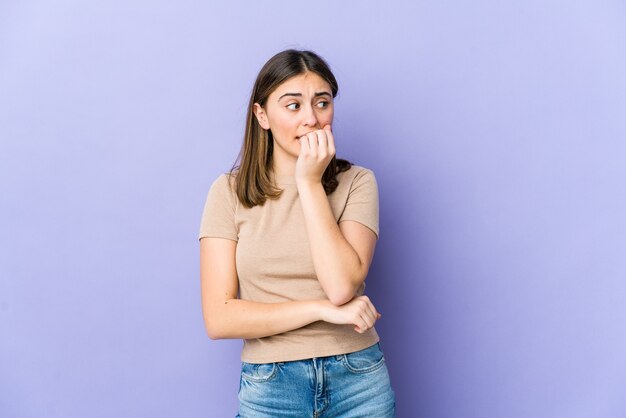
(284, 166)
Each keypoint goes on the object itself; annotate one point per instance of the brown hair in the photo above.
(253, 181)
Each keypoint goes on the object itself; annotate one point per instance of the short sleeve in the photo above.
(218, 217)
(362, 203)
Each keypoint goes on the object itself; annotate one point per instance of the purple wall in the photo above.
(498, 136)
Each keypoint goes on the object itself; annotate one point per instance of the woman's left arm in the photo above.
(342, 253)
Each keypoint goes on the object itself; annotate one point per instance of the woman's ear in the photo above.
(261, 116)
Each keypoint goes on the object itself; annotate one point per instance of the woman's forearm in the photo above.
(237, 318)
(339, 269)
(225, 316)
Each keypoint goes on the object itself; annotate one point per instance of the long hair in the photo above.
(253, 169)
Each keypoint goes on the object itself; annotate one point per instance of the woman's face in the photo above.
(301, 104)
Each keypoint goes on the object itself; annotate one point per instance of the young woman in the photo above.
(286, 241)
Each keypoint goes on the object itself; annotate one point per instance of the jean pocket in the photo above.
(364, 361)
(258, 373)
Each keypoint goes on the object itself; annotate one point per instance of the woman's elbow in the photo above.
(342, 296)
(213, 328)
(213, 332)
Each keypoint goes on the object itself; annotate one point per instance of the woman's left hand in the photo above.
(317, 148)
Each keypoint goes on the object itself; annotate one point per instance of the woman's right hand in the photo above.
(359, 312)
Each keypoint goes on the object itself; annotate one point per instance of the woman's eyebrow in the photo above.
(321, 93)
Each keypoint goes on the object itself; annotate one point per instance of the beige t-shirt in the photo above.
(274, 262)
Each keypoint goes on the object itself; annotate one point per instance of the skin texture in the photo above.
(299, 113)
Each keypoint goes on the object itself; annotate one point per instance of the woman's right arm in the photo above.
(225, 316)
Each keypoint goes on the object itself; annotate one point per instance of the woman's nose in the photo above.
(309, 117)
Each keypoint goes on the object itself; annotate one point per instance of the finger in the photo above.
(374, 314)
(360, 323)
(371, 309)
(372, 317)
(369, 322)
(322, 141)
(311, 138)
(367, 318)
(304, 145)
(330, 138)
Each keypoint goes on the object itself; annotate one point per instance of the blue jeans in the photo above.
(346, 385)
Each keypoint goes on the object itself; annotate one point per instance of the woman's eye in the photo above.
(292, 106)
(323, 104)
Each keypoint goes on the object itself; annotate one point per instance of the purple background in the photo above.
(498, 136)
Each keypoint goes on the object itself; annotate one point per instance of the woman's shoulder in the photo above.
(356, 173)
(224, 186)
(225, 180)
